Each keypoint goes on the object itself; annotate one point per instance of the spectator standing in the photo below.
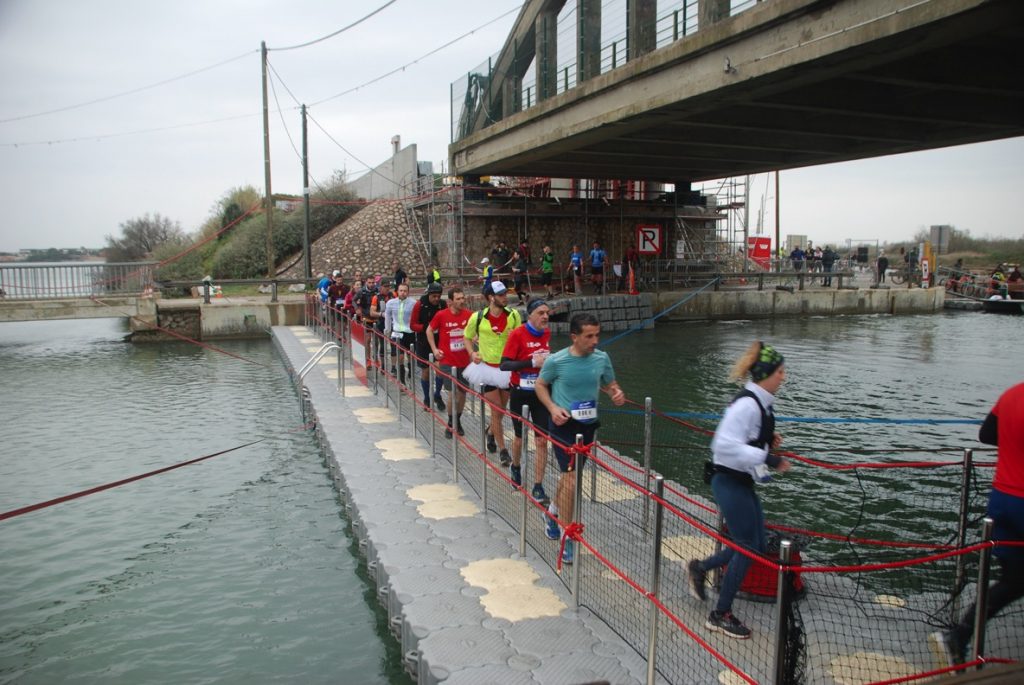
(487, 272)
(881, 266)
(576, 266)
(597, 259)
(400, 275)
(828, 260)
(547, 269)
(519, 275)
(797, 257)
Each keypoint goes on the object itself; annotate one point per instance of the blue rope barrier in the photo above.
(805, 419)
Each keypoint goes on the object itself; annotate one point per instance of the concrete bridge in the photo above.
(781, 84)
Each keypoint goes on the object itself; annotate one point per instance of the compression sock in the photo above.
(426, 391)
(438, 384)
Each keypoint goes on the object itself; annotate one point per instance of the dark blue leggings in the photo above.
(743, 514)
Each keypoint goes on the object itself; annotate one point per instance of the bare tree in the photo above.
(140, 236)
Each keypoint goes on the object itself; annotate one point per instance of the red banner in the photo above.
(760, 250)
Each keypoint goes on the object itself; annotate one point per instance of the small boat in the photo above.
(1003, 306)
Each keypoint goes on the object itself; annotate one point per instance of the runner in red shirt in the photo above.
(445, 337)
(525, 351)
(1003, 427)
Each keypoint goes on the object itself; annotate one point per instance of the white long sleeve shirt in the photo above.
(741, 424)
(398, 315)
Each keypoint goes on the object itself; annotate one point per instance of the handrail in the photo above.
(324, 349)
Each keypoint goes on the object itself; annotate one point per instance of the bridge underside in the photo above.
(791, 83)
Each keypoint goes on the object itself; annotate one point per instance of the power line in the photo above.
(417, 60)
(347, 152)
(107, 136)
(341, 30)
(128, 92)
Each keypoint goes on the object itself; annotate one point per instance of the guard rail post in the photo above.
(652, 632)
(648, 406)
(455, 432)
(483, 425)
(981, 604)
(206, 292)
(397, 382)
(961, 534)
(783, 597)
(412, 392)
(273, 291)
(432, 377)
(716, 575)
(524, 504)
(577, 498)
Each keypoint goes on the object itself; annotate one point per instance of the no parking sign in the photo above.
(648, 239)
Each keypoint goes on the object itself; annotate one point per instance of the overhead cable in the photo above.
(129, 92)
(417, 60)
(332, 35)
(106, 136)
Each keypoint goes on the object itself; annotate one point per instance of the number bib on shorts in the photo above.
(527, 381)
(584, 412)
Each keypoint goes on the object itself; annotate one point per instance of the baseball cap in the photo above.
(497, 288)
(336, 273)
(485, 260)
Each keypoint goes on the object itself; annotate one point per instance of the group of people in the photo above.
(518, 263)
(559, 390)
(560, 393)
(817, 260)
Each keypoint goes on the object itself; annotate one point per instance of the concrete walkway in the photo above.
(465, 605)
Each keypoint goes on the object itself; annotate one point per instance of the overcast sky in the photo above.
(71, 177)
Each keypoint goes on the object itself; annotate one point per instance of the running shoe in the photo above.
(505, 458)
(946, 647)
(439, 402)
(492, 446)
(725, 622)
(539, 494)
(551, 527)
(517, 474)
(567, 552)
(698, 578)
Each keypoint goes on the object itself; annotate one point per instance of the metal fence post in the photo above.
(716, 575)
(455, 432)
(652, 633)
(782, 599)
(483, 425)
(981, 605)
(647, 459)
(577, 497)
(523, 453)
(961, 536)
(412, 392)
(273, 291)
(398, 383)
(431, 378)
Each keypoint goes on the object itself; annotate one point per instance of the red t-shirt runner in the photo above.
(522, 344)
(448, 328)
(1009, 413)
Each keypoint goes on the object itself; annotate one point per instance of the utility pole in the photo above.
(307, 259)
(268, 199)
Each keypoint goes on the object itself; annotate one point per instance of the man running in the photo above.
(527, 348)
(445, 335)
(568, 387)
(486, 334)
(422, 314)
(397, 327)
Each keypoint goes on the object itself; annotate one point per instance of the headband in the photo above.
(768, 360)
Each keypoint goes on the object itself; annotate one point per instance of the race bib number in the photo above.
(528, 381)
(456, 342)
(584, 412)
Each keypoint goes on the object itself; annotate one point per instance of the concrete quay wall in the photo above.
(764, 304)
(222, 319)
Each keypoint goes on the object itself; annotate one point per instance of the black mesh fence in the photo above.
(885, 551)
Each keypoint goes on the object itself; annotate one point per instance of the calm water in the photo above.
(236, 570)
(940, 367)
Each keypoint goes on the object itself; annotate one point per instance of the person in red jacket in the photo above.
(1003, 427)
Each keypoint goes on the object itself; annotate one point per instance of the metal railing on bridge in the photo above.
(75, 280)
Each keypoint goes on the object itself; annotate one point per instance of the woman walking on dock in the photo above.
(741, 451)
